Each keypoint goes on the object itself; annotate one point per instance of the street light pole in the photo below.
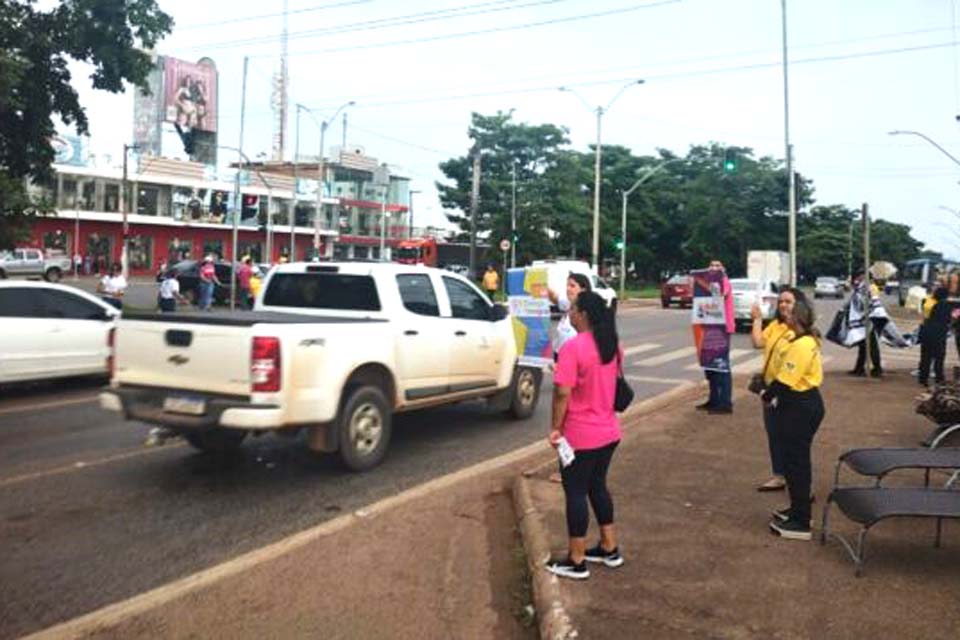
(928, 139)
(293, 213)
(125, 201)
(513, 219)
(623, 222)
(598, 152)
(410, 231)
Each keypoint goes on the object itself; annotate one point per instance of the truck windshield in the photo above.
(407, 254)
(322, 291)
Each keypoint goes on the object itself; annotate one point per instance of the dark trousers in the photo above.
(797, 418)
(721, 389)
(586, 478)
(933, 350)
(874, 353)
(168, 305)
(776, 452)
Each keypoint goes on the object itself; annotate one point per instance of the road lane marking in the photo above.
(84, 464)
(676, 354)
(48, 405)
(734, 354)
(105, 618)
(640, 348)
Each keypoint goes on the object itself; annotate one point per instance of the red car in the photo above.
(678, 289)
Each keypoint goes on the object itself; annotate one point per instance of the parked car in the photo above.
(33, 263)
(746, 293)
(332, 348)
(187, 273)
(828, 287)
(677, 289)
(52, 331)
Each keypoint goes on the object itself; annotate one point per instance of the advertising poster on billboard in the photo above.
(190, 94)
(709, 322)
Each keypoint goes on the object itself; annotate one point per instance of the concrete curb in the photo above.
(554, 622)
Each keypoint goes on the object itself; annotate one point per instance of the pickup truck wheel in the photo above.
(52, 275)
(3, 274)
(525, 393)
(365, 425)
(215, 440)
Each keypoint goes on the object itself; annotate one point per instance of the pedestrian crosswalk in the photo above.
(689, 353)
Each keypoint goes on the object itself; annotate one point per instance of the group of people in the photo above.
(249, 281)
(589, 360)
(939, 312)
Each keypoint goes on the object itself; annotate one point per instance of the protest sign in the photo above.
(709, 322)
(530, 314)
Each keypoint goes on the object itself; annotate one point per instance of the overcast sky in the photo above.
(859, 69)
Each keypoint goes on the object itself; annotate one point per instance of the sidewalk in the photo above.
(700, 560)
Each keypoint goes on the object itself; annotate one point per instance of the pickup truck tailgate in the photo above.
(214, 358)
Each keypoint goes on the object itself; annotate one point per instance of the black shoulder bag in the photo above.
(756, 384)
(624, 394)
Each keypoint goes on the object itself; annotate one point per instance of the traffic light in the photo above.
(730, 161)
(251, 206)
(619, 244)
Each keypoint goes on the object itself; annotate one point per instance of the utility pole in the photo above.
(410, 222)
(474, 205)
(237, 205)
(293, 212)
(792, 231)
(596, 196)
(850, 249)
(513, 219)
(868, 324)
(124, 207)
(343, 147)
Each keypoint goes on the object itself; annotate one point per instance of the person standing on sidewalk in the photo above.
(208, 279)
(721, 382)
(861, 302)
(933, 336)
(584, 389)
(798, 410)
(243, 279)
(491, 282)
(112, 286)
(169, 293)
(576, 284)
(770, 339)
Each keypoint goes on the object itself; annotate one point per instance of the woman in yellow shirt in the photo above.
(794, 396)
(769, 339)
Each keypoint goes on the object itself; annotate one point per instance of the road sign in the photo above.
(504, 245)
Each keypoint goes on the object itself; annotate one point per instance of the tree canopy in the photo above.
(36, 85)
(717, 201)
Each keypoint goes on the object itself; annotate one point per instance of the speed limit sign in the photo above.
(504, 245)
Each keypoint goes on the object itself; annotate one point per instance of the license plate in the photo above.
(190, 406)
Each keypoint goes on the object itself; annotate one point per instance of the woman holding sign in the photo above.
(576, 283)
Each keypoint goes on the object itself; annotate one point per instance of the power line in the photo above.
(321, 7)
(491, 6)
(465, 34)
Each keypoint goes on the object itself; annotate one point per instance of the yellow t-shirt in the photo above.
(491, 281)
(775, 335)
(928, 304)
(800, 364)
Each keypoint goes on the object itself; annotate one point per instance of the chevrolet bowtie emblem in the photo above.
(178, 359)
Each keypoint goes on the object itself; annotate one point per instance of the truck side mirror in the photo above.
(498, 312)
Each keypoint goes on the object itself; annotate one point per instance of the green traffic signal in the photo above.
(619, 245)
(729, 166)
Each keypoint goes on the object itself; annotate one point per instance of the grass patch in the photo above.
(521, 595)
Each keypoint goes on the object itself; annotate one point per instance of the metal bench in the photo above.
(869, 505)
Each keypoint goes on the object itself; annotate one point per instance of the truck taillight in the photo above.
(111, 338)
(265, 365)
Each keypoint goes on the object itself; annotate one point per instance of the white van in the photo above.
(558, 270)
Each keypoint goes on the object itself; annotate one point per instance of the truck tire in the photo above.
(364, 427)
(524, 393)
(52, 275)
(664, 303)
(3, 274)
(215, 440)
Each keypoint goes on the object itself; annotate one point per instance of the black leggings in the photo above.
(586, 477)
(797, 417)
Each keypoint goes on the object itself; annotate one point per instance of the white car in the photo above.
(53, 331)
(748, 292)
(332, 348)
(826, 287)
(558, 270)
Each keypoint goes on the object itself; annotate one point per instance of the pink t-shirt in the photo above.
(727, 291)
(590, 422)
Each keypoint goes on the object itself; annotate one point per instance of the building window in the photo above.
(252, 249)
(111, 197)
(361, 253)
(68, 193)
(43, 190)
(218, 206)
(213, 247)
(148, 199)
(140, 252)
(179, 250)
(341, 251)
(183, 203)
(88, 195)
(100, 252)
(58, 241)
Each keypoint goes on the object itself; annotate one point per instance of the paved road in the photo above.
(90, 516)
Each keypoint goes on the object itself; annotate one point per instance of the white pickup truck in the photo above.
(333, 348)
(32, 262)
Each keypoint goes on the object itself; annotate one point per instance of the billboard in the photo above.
(190, 94)
(68, 149)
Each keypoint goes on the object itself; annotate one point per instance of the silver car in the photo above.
(827, 287)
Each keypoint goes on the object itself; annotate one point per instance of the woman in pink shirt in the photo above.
(585, 384)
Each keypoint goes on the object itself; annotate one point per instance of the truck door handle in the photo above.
(411, 332)
(460, 333)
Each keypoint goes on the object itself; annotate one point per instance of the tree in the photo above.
(35, 82)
